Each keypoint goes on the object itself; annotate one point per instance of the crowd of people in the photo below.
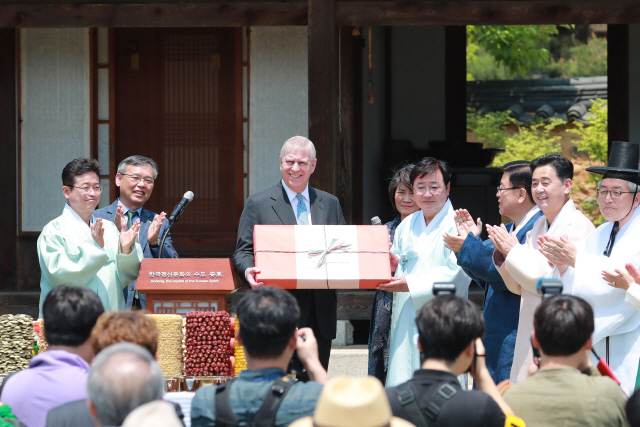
(531, 357)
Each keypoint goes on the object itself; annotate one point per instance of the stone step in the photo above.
(349, 361)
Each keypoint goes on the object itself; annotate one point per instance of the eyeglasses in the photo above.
(88, 190)
(425, 190)
(499, 189)
(136, 179)
(615, 194)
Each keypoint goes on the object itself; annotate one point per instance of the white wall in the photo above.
(634, 82)
(54, 101)
(417, 84)
(278, 98)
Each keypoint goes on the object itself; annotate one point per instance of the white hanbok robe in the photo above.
(525, 265)
(613, 317)
(423, 261)
(69, 255)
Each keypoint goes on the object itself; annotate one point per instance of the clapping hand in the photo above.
(119, 217)
(154, 228)
(465, 221)
(501, 239)
(619, 279)
(97, 232)
(560, 252)
(128, 238)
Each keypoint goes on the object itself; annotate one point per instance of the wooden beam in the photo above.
(52, 15)
(323, 91)
(455, 79)
(197, 13)
(8, 195)
(490, 12)
(618, 90)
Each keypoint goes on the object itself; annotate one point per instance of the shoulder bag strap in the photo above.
(223, 412)
(266, 415)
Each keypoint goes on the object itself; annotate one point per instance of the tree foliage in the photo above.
(517, 47)
(594, 136)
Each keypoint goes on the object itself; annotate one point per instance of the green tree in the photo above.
(594, 135)
(517, 47)
(530, 141)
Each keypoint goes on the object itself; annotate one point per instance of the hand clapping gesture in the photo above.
(128, 237)
(501, 239)
(464, 226)
(119, 217)
(154, 228)
(560, 252)
(621, 279)
(97, 232)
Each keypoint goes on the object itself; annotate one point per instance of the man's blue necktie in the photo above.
(303, 215)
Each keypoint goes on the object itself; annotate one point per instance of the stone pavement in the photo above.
(348, 361)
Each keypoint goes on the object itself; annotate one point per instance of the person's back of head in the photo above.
(153, 414)
(268, 319)
(123, 377)
(633, 409)
(446, 326)
(70, 313)
(125, 326)
(563, 324)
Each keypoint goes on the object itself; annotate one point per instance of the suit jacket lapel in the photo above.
(317, 208)
(145, 221)
(282, 206)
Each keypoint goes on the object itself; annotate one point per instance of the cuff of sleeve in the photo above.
(632, 296)
(498, 258)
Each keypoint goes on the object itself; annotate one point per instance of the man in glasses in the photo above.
(522, 265)
(587, 269)
(501, 307)
(135, 178)
(78, 249)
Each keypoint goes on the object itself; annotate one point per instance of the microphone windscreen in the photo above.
(188, 195)
(375, 221)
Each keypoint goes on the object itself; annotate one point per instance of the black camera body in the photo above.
(444, 288)
(549, 287)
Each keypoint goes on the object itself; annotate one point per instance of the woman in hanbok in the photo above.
(78, 249)
(401, 197)
(420, 259)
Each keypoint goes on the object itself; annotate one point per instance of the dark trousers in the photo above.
(324, 345)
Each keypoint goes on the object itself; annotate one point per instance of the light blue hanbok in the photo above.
(424, 260)
(70, 256)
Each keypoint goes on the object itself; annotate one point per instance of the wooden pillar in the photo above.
(618, 82)
(455, 83)
(8, 195)
(323, 91)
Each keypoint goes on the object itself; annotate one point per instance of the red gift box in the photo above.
(322, 256)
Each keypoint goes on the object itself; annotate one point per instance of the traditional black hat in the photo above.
(623, 162)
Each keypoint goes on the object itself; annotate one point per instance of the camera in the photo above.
(444, 288)
(549, 287)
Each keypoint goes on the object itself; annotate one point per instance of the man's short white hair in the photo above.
(301, 143)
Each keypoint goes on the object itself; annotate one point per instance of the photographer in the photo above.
(449, 332)
(268, 319)
(558, 394)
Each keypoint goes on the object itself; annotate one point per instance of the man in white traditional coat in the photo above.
(588, 268)
(420, 259)
(78, 249)
(522, 265)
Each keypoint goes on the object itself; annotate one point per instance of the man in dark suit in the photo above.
(501, 307)
(289, 203)
(135, 178)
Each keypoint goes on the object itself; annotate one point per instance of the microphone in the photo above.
(188, 196)
(376, 221)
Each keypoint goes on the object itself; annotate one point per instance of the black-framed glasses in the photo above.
(499, 189)
(137, 178)
(615, 194)
(88, 190)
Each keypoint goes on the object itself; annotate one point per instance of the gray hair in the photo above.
(138, 161)
(123, 377)
(633, 187)
(301, 143)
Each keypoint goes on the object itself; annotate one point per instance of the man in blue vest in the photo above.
(501, 307)
(135, 178)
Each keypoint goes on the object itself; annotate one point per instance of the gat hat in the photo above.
(348, 402)
(623, 162)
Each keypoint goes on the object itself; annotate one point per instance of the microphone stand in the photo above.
(166, 233)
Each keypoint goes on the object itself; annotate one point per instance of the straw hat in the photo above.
(349, 402)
